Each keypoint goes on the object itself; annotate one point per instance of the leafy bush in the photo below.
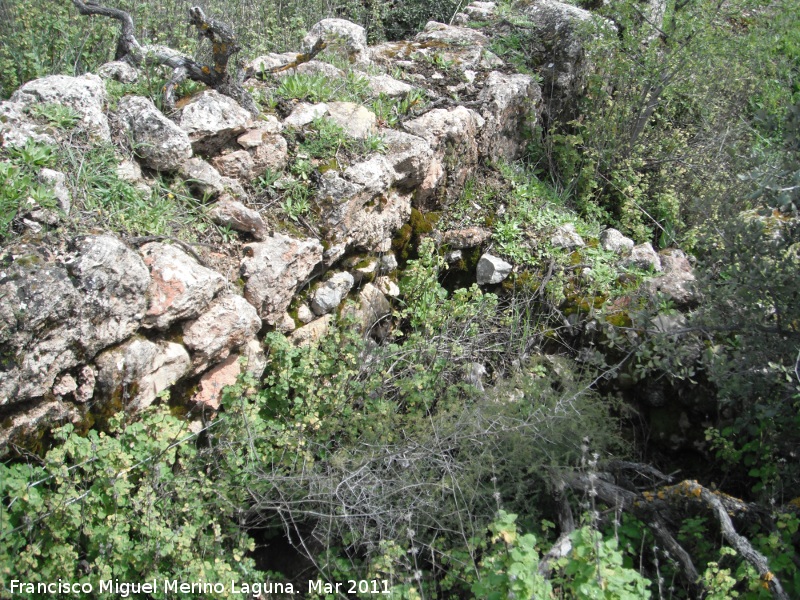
(132, 504)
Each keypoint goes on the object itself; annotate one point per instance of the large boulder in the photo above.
(135, 372)
(509, 104)
(274, 270)
(335, 33)
(212, 120)
(180, 287)
(229, 322)
(53, 317)
(16, 128)
(678, 281)
(360, 208)
(160, 143)
(461, 47)
(86, 95)
(453, 135)
(561, 31)
(409, 155)
(643, 257)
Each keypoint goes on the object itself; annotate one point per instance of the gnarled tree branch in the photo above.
(650, 506)
(216, 76)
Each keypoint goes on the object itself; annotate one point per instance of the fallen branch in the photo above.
(216, 76)
(650, 507)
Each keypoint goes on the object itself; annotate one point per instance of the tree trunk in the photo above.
(216, 76)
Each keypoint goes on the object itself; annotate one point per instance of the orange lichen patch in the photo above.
(205, 70)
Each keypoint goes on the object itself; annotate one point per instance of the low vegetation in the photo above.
(516, 441)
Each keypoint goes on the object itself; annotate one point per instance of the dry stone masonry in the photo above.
(121, 322)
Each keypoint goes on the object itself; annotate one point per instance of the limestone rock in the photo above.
(267, 147)
(160, 143)
(371, 308)
(304, 314)
(87, 379)
(678, 281)
(238, 164)
(509, 103)
(388, 86)
(229, 322)
(216, 379)
(453, 135)
(180, 288)
(480, 11)
(313, 332)
(212, 120)
(201, 177)
(57, 180)
(274, 269)
(267, 62)
(339, 32)
(304, 113)
(387, 287)
(16, 128)
(230, 213)
(38, 305)
(561, 32)
(470, 237)
(644, 257)
(613, 241)
(138, 370)
(462, 47)
(118, 70)
(86, 95)
(566, 237)
(35, 419)
(360, 208)
(409, 155)
(357, 121)
(64, 385)
(255, 359)
(388, 263)
(492, 270)
(331, 293)
(286, 324)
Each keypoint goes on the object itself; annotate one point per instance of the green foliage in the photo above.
(509, 568)
(594, 569)
(316, 87)
(17, 184)
(58, 115)
(132, 504)
(663, 131)
(751, 269)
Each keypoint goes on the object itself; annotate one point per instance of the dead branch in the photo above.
(651, 506)
(216, 76)
(305, 57)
